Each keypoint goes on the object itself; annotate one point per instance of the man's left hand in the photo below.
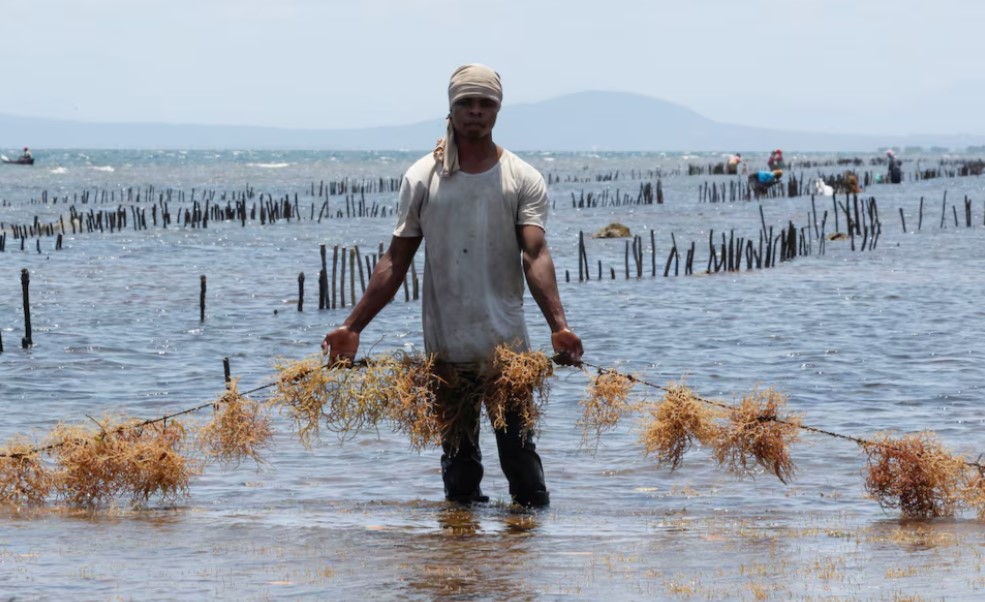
(567, 347)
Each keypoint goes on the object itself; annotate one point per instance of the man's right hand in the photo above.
(340, 344)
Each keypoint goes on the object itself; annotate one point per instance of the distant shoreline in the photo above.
(606, 121)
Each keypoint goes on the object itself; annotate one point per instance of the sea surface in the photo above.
(888, 338)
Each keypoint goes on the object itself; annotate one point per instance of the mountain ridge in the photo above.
(591, 120)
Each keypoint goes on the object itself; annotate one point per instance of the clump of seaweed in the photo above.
(303, 387)
(675, 424)
(412, 401)
(756, 433)
(605, 405)
(973, 490)
(24, 478)
(138, 459)
(458, 403)
(397, 388)
(358, 398)
(158, 467)
(914, 473)
(240, 428)
(517, 382)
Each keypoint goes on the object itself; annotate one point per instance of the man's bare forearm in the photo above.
(542, 280)
(383, 283)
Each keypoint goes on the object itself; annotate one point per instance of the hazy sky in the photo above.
(862, 66)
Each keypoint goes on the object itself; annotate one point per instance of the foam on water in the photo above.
(268, 165)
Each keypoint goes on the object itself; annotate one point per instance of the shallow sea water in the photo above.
(859, 341)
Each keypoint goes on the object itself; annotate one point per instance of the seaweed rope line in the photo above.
(581, 364)
(126, 427)
(858, 440)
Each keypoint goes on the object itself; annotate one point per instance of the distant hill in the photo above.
(604, 121)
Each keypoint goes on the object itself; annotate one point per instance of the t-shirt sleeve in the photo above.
(532, 206)
(412, 194)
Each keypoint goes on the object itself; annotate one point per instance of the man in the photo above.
(776, 160)
(851, 183)
(482, 211)
(895, 167)
(732, 167)
(761, 181)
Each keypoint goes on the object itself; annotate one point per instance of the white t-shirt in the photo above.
(473, 276)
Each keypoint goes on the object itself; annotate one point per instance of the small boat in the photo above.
(18, 160)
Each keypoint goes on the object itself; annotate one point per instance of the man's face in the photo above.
(473, 117)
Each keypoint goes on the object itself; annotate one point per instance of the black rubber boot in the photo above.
(521, 464)
(476, 497)
(537, 499)
(461, 471)
(461, 461)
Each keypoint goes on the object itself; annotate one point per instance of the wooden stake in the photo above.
(301, 291)
(201, 300)
(25, 285)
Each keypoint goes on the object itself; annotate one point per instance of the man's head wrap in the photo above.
(468, 80)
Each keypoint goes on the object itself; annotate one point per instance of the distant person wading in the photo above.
(761, 181)
(895, 173)
(776, 160)
(483, 212)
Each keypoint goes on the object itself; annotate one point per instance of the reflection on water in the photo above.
(458, 522)
(860, 342)
(471, 557)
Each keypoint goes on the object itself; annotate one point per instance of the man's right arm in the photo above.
(383, 285)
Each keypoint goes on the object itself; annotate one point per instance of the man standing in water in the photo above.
(895, 167)
(482, 211)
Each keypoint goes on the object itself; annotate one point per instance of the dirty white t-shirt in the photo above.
(473, 276)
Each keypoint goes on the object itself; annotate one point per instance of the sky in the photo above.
(847, 66)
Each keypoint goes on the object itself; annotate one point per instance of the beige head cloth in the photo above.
(468, 80)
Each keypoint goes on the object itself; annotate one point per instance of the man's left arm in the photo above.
(538, 267)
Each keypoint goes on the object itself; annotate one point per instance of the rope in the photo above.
(581, 364)
(46, 448)
(858, 440)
